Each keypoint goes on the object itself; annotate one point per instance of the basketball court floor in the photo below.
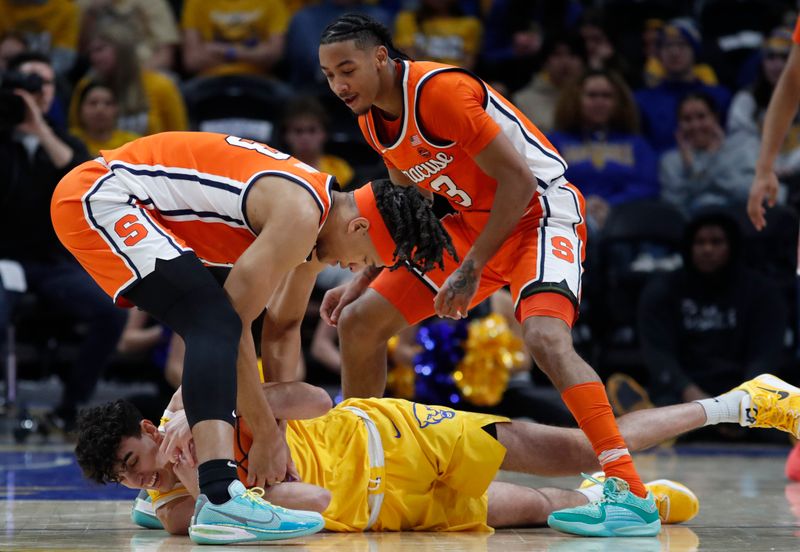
(746, 504)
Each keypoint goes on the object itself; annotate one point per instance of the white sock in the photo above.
(595, 492)
(726, 408)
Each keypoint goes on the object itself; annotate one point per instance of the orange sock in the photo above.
(589, 405)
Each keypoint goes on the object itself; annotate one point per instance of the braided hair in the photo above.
(364, 30)
(418, 234)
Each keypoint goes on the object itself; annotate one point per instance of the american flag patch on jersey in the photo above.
(415, 141)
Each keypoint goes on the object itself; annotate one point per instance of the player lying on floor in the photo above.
(389, 464)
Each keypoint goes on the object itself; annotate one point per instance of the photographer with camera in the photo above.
(34, 156)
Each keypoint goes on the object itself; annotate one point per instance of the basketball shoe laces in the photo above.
(776, 413)
(613, 488)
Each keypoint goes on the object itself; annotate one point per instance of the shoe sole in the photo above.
(676, 487)
(206, 533)
(608, 529)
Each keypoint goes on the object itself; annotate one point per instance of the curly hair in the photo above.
(364, 30)
(420, 238)
(100, 432)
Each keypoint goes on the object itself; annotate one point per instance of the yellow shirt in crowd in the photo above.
(242, 22)
(444, 39)
(118, 138)
(46, 25)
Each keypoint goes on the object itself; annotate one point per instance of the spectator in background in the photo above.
(97, 119)
(233, 37)
(305, 133)
(49, 26)
(11, 44)
(438, 30)
(712, 323)
(34, 156)
(302, 47)
(749, 106)
(564, 58)
(654, 71)
(151, 21)
(707, 167)
(678, 43)
(597, 133)
(149, 102)
(601, 52)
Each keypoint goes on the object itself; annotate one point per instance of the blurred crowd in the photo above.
(656, 105)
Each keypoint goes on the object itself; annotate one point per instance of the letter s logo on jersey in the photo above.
(419, 173)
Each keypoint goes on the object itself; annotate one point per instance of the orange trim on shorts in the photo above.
(547, 303)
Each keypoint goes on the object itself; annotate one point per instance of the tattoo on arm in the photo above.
(465, 282)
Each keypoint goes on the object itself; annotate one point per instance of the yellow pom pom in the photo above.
(491, 351)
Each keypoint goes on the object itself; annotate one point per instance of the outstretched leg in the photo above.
(555, 451)
(517, 506)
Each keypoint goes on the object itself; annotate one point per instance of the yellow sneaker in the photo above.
(676, 502)
(773, 403)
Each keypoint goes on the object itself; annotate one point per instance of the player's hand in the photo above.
(187, 474)
(456, 294)
(267, 460)
(765, 186)
(178, 441)
(338, 298)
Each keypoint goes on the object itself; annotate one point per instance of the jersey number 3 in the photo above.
(451, 190)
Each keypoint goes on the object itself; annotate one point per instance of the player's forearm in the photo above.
(514, 193)
(781, 112)
(280, 352)
(296, 400)
(250, 400)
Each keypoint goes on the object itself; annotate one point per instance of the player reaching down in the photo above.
(144, 219)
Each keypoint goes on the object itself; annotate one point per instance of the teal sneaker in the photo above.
(619, 513)
(143, 513)
(247, 517)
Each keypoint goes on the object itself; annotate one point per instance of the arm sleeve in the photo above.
(658, 334)
(451, 108)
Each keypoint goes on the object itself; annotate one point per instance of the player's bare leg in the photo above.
(517, 506)
(556, 451)
(364, 328)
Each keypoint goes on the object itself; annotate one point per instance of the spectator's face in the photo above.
(677, 55)
(102, 56)
(598, 101)
(596, 41)
(305, 137)
(563, 65)
(772, 64)
(710, 249)
(353, 74)
(697, 123)
(99, 110)
(44, 99)
(10, 47)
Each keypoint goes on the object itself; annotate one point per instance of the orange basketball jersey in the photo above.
(449, 116)
(196, 184)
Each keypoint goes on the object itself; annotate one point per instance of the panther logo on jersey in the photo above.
(431, 415)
